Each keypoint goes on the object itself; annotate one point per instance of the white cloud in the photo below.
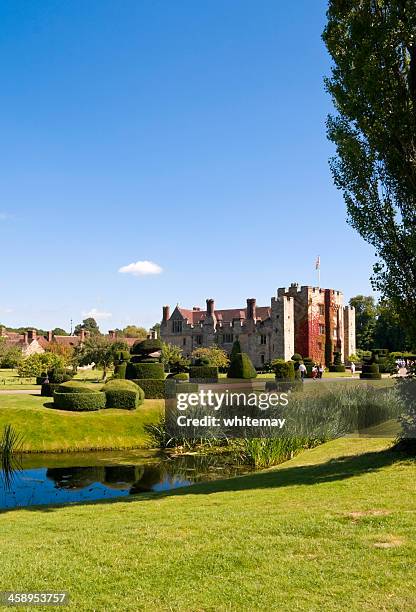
(97, 314)
(6, 310)
(141, 268)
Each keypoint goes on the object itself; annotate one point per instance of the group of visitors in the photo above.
(317, 370)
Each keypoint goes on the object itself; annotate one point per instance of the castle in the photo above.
(307, 320)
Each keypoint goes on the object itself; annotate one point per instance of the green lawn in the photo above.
(334, 529)
(10, 380)
(47, 429)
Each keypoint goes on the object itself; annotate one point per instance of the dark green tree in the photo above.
(373, 86)
(365, 320)
(90, 325)
(389, 333)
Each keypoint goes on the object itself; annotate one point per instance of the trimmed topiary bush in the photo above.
(123, 394)
(121, 356)
(296, 357)
(336, 368)
(120, 370)
(370, 371)
(145, 370)
(235, 349)
(241, 367)
(79, 402)
(180, 376)
(284, 370)
(186, 387)
(203, 374)
(75, 387)
(153, 388)
(48, 389)
(146, 347)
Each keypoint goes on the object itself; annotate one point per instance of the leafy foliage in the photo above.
(212, 356)
(373, 86)
(36, 364)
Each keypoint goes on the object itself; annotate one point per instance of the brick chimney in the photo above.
(81, 335)
(31, 335)
(50, 336)
(210, 307)
(25, 337)
(112, 334)
(251, 309)
(2, 331)
(166, 313)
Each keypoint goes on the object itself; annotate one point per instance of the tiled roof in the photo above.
(226, 316)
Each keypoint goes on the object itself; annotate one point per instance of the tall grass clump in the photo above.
(10, 446)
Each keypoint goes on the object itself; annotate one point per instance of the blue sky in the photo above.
(188, 134)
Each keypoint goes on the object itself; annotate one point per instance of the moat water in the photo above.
(49, 479)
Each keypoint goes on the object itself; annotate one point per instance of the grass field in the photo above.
(47, 429)
(333, 529)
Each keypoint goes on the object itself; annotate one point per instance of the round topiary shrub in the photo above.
(121, 356)
(296, 357)
(75, 387)
(181, 376)
(123, 394)
(146, 347)
(145, 370)
(241, 367)
(79, 402)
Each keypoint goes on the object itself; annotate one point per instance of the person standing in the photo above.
(302, 370)
(352, 369)
(321, 370)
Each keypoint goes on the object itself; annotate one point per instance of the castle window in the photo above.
(321, 310)
(263, 339)
(177, 327)
(262, 358)
(184, 341)
(228, 338)
(321, 329)
(320, 346)
(198, 340)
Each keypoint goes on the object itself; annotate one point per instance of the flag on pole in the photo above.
(318, 263)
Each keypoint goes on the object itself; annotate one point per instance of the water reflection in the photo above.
(47, 481)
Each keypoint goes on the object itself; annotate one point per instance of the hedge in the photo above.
(336, 367)
(203, 374)
(79, 402)
(123, 394)
(284, 370)
(120, 370)
(48, 389)
(370, 371)
(153, 388)
(125, 399)
(74, 387)
(186, 387)
(241, 367)
(145, 370)
(180, 376)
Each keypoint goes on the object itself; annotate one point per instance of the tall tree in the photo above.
(90, 325)
(373, 87)
(389, 333)
(132, 331)
(365, 320)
